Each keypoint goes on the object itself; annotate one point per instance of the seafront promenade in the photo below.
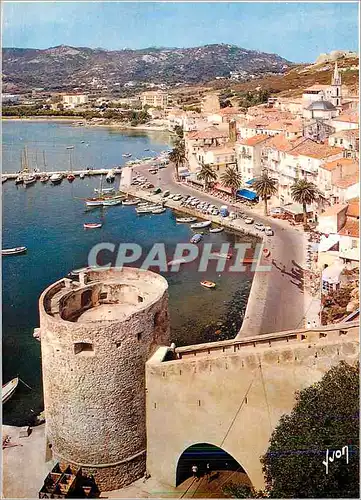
(276, 302)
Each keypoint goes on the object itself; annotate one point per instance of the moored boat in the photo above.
(90, 225)
(13, 251)
(111, 203)
(216, 230)
(81, 175)
(70, 147)
(56, 178)
(208, 284)
(29, 179)
(104, 191)
(158, 210)
(44, 178)
(70, 177)
(126, 155)
(200, 225)
(196, 238)
(19, 179)
(4, 179)
(8, 389)
(185, 220)
(131, 202)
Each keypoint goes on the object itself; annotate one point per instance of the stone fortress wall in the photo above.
(96, 336)
(232, 394)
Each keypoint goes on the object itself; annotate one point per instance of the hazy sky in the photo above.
(296, 31)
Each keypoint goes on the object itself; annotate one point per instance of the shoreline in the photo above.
(118, 125)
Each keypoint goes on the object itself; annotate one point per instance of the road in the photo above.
(277, 301)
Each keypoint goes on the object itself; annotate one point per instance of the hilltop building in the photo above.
(154, 99)
(71, 101)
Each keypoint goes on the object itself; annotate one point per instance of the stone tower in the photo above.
(96, 336)
(336, 88)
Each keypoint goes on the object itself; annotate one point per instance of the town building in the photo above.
(210, 104)
(338, 179)
(154, 99)
(249, 153)
(196, 142)
(71, 101)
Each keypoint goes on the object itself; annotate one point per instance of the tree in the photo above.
(179, 131)
(235, 490)
(207, 174)
(306, 193)
(325, 417)
(232, 179)
(177, 156)
(265, 187)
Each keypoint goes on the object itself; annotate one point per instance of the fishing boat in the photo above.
(159, 210)
(94, 202)
(208, 284)
(92, 225)
(9, 389)
(184, 220)
(70, 147)
(4, 179)
(56, 178)
(131, 202)
(144, 210)
(196, 238)
(176, 261)
(201, 225)
(126, 155)
(216, 230)
(13, 251)
(104, 190)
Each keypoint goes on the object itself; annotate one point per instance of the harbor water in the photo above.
(49, 219)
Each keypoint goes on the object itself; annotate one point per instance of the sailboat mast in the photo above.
(44, 161)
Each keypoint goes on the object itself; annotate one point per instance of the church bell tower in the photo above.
(336, 88)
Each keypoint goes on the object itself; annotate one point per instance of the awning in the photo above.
(225, 189)
(250, 182)
(297, 208)
(247, 194)
(332, 273)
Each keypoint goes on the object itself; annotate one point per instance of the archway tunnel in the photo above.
(200, 455)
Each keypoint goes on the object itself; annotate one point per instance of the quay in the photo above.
(90, 173)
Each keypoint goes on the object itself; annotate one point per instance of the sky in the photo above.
(297, 31)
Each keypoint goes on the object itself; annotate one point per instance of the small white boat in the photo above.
(159, 210)
(4, 179)
(105, 190)
(9, 389)
(200, 225)
(196, 238)
(111, 203)
(126, 155)
(94, 203)
(56, 178)
(14, 251)
(82, 175)
(92, 225)
(29, 179)
(176, 261)
(185, 220)
(144, 210)
(208, 284)
(70, 147)
(216, 230)
(131, 202)
(44, 178)
(19, 179)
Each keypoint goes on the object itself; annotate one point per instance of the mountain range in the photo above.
(69, 67)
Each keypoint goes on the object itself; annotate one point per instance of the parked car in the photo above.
(268, 231)
(259, 226)
(166, 193)
(233, 215)
(177, 197)
(249, 220)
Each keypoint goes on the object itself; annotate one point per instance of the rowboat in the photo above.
(200, 225)
(185, 220)
(196, 238)
(159, 210)
(208, 284)
(176, 261)
(14, 251)
(70, 147)
(130, 202)
(92, 226)
(9, 389)
(126, 155)
(19, 179)
(44, 178)
(216, 230)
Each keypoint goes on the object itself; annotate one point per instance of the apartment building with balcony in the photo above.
(154, 99)
(219, 157)
(198, 141)
(71, 101)
(249, 156)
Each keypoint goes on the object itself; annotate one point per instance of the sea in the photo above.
(49, 219)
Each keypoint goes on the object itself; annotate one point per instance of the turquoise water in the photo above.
(49, 221)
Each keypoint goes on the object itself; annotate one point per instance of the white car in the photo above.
(259, 226)
(233, 215)
(249, 220)
(268, 231)
(177, 197)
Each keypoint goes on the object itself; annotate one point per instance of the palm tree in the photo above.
(207, 174)
(265, 187)
(232, 179)
(306, 193)
(177, 156)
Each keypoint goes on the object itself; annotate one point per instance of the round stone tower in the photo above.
(96, 336)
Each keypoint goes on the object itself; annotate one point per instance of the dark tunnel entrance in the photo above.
(200, 454)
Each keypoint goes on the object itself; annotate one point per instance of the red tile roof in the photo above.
(315, 150)
(351, 228)
(209, 133)
(352, 133)
(333, 165)
(254, 140)
(353, 209)
(347, 117)
(347, 181)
